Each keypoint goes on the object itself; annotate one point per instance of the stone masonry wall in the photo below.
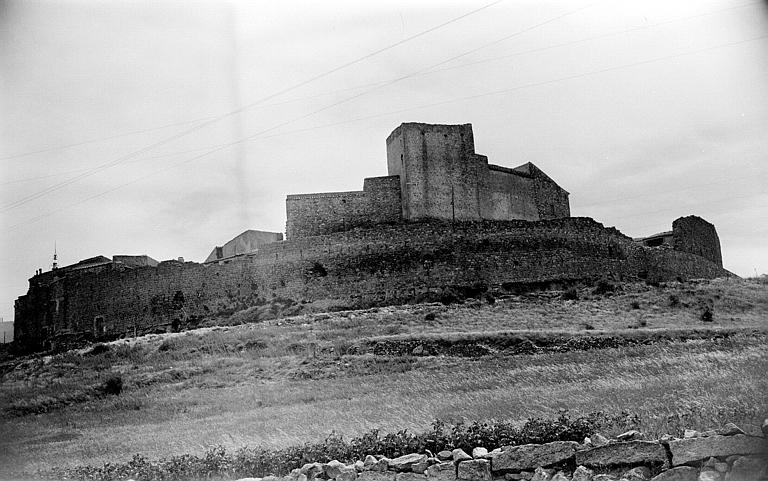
(389, 264)
(439, 170)
(725, 454)
(697, 236)
(316, 214)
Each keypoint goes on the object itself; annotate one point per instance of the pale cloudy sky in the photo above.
(643, 111)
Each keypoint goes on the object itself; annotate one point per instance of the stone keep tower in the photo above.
(441, 177)
(439, 170)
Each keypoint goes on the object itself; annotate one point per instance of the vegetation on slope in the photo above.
(284, 383)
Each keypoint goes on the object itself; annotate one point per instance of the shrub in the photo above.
(112, 386)
(674, 300)
(318, 270)
(603, 287)
(449, 296)
(635, 305)
(97, 349)
(259, 461)
(706, 314)
(430, 316)
(570, 295)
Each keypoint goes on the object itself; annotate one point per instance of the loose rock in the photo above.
(729, 429)
(459, 455)
(441, 472)
(640, 473)
(683, 473)
(474, 470)
(583, 474)
(376, 476)
(748, 468)
(406, 462)
(623, 454)
(709, 475)
(479, 453)
(542, 474)
(685, 451)
(532, 456)
(444, 455)
(629, 435)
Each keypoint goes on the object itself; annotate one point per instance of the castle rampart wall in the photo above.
(697, 236)
(508, 195)
(323, 213)
(360, 267)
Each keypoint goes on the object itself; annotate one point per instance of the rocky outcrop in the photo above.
(726, 454)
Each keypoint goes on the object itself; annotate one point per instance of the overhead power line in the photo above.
(423, 106)
(211, 121)
(383, 82)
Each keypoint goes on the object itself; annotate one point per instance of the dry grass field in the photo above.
(289, 381)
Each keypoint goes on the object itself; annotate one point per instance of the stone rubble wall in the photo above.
(386, 265)
(726, 454)
(695, 235)
(324, 213)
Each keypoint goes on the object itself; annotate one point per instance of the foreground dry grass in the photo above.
(296, 380)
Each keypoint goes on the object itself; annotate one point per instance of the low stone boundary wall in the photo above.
(726, 454)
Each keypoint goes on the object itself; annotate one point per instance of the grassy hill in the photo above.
(659, 358)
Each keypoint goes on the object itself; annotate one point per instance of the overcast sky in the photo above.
(643, 111)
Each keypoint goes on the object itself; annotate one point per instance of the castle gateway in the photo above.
(434, 173)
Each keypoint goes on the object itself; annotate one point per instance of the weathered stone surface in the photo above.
(459, 455)
(406, 462)
(764, 427)
(474, 470)
(603, 477)
(369, 462)
(682, 473)
(560, 476)
(348, 473)
(376, 476)
(479, 453)
(532, 456)
(359, 465)
(249, 479)
(629, 435)
(599, 440)
(542, 474)
(441, 472)
(582, 473)
(748, 468)
(709, 475)
(622, 454)
(444, 455)
(333, 468)
(721, 467)
(410, 477)
(640, 473)
(685, 451)
(729, 429)
(420, 467)
(523, 475)
(311, 469)
(691, 433)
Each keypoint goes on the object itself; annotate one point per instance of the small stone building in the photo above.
(434, 173)
(246, 243)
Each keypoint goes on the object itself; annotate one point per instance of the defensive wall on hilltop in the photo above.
(362, 267)
(443, 220)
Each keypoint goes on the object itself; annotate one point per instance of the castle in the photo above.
(443, 221)
(434, 173)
